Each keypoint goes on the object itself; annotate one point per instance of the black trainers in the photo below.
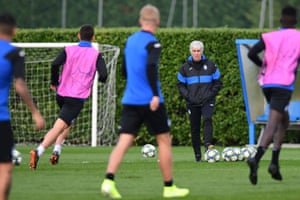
(34, 158)
(198, 157)
(274, 171)
(54, 158)
(253, 170)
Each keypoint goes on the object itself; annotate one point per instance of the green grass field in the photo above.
(81, 170)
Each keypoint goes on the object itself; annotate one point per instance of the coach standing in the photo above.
(199, 83)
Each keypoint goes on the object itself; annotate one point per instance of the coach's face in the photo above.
(196, 54)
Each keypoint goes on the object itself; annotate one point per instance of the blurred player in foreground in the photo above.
(143, 103)
(12, 69)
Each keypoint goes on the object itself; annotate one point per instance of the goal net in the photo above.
(96, 123)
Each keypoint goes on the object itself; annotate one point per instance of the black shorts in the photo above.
(6, 142)
(133, 117)
(278, 98)
(69, 108)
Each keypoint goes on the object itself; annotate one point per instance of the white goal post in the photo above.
(98, 116)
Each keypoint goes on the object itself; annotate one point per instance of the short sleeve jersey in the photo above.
(11, 66)
(138, 90)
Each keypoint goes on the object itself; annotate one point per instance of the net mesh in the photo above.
(38, 72)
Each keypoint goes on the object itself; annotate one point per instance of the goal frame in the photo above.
(94, 94)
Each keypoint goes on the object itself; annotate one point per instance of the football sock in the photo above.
(40, 150)
(259, 154)
(57, 148)
(275, 156)
(110, 176)
(168, 183)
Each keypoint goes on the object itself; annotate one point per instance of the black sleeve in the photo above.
(101, 68)
(154, 49)
(59, 61)
(255, 50)
(123, 68)
(17, 57)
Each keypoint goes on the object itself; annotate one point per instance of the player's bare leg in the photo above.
(273, 126)
(50, 137)
(277, 142)
(166, 167)
(165, 156)
(58, 146)
(108, 187)
(5, 180)
(116, 156)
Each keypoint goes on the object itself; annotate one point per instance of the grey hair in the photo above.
(196, 44)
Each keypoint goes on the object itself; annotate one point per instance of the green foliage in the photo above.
(230, 124)
(118, 13)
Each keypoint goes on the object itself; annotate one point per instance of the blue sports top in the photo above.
(11, 65)
(141, 56)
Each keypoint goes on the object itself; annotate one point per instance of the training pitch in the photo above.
(81, 170)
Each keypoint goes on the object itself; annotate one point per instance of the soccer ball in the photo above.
(248, 152)
(239, 154)
(252, 151)
(16, 157)
(229, 154)
(148, 151)
(212, 155)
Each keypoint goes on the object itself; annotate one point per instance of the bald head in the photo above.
(149, 15)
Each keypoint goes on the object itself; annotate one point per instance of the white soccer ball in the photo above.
(148, 151)
(212, 155)
(229, 154)
(16, 157)
(252, 151)
(239, 154)
(246, 152)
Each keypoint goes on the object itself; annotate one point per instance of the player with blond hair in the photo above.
(143, 103)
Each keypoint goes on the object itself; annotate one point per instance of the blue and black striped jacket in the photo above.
(199, 82)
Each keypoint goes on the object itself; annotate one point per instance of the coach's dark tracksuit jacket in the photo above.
(199, 82)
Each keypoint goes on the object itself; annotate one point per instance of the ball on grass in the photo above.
(148, 151)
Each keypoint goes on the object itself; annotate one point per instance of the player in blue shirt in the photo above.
(143, 103)
(12, 68)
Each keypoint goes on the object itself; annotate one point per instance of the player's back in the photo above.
(138, 90)
(281, 56)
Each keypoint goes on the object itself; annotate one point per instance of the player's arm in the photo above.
(101, 68)
(58, 61)
(255, 50)
(154, 49)
(124, 72)
(123, 68)
(17, 58)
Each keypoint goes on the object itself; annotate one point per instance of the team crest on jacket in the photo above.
(205, 67)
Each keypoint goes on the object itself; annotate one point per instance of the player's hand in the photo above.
(154, 104)
(53, 88)
(38, 120)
